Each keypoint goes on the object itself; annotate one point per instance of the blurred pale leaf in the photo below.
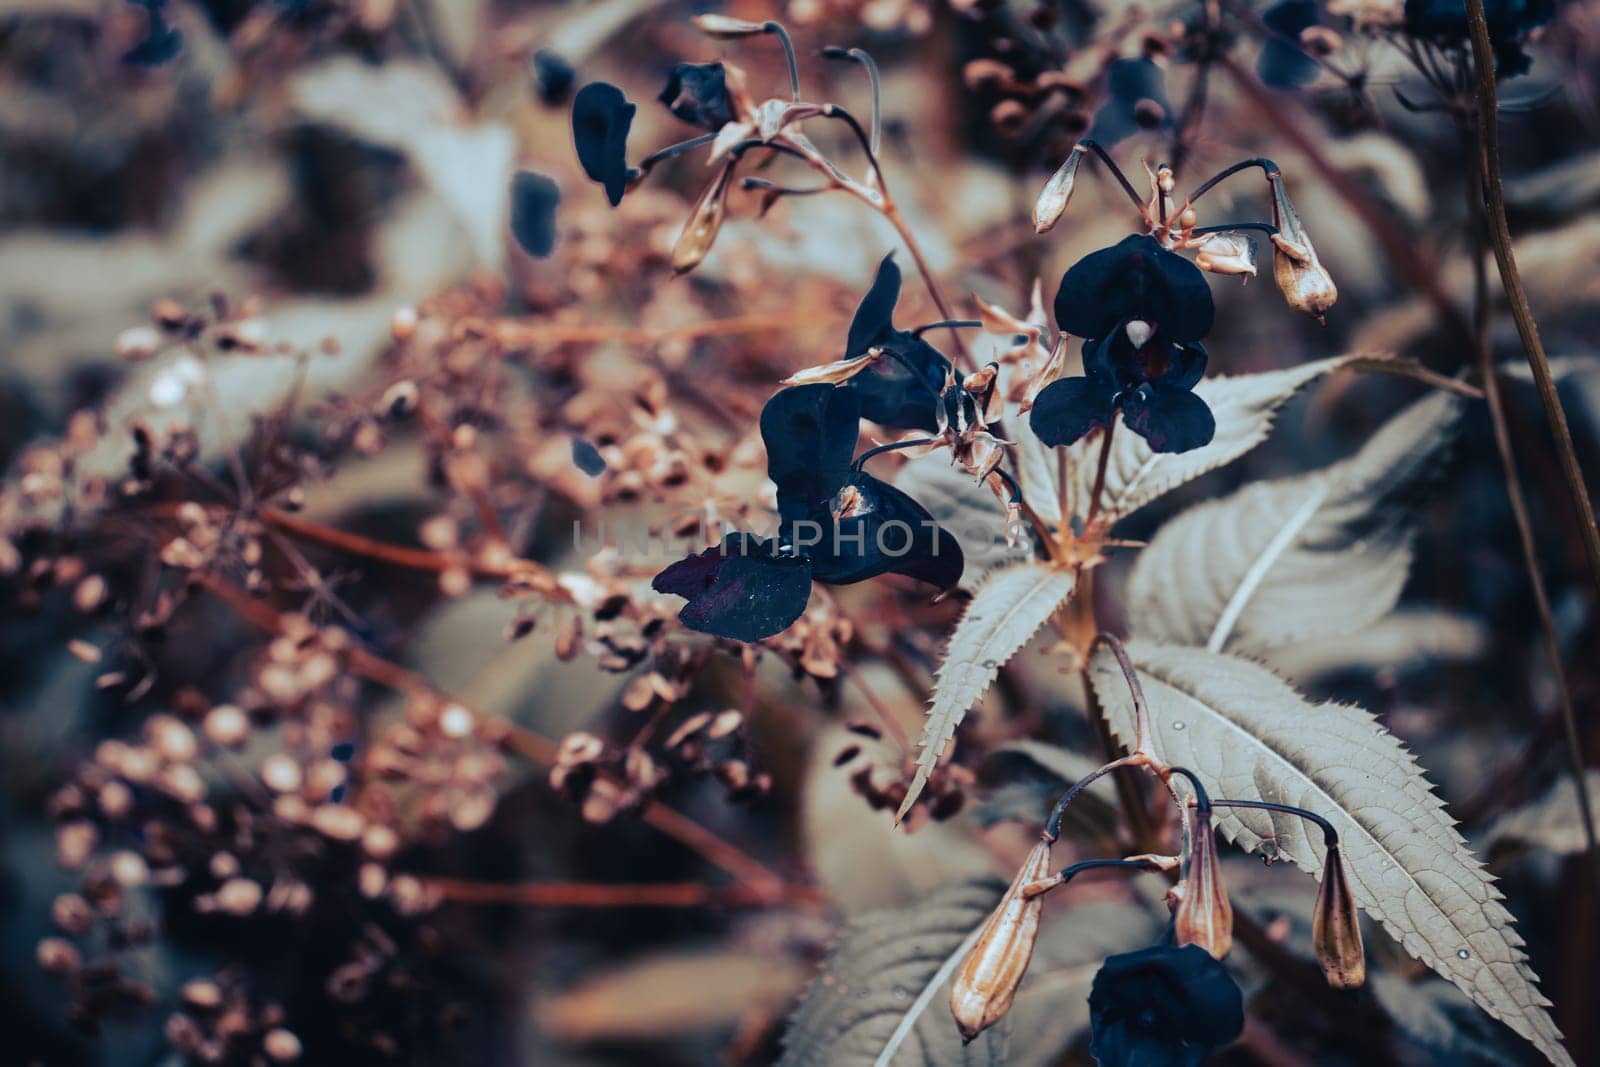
(1552, 822)
(1296, 558)
(1438, 1016)
(1403, 636)
(882, 997)
(1005, 612)
(671, 994)
(1249, 736)
(857, 855)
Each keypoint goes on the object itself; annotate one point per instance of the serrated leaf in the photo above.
(972, 514)
(881, 996)
(1004, 613)
(1249, 736)
(1244, 407)
(1296, 558)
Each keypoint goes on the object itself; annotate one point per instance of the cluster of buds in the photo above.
(1222, 249)
(989, 975)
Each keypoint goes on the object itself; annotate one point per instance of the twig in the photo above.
(1511, 281)
(598, 895)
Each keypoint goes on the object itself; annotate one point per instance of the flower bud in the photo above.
(1305, 283)
(1336, 928)
(1204, 916)
(1227, 253)
(727, 26)
(1053, 200)
(987, 980)
(704, 222)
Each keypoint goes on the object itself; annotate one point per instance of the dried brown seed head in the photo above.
(987, 980)
(1204, 916)
(1336, 928)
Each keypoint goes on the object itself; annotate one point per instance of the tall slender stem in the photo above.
(1516, 294)
(1100, 470)
(1472, 151)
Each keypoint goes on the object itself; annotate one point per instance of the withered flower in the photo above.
(1204, 916)
(698, 94)
(1227, 253)
(700, 231)
(1305, 283)
(1336, 927)
(987, 980)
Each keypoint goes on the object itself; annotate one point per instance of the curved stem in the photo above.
(1265, 227)
(1330, 836)
(871, 67)
(777, 30)
(1116, 172)
(1516, 294)
(1143, 746)
(893, 446)
(1268, 167)
(1052, 823)
(952, 324)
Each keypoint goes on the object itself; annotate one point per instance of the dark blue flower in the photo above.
(1510, 22)
(601, 116)
(1162, 1007)
(533, 212)
(161, 42)
(1283, 64)
(901, 388)
(698, 94)
(1135, 279)
(1140, 371)
(554, 75)
(1136, 99)
(836, 524)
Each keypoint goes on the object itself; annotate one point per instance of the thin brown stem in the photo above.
(1100, 470)
(1516, 294)
(1472, 146)
(599, 895)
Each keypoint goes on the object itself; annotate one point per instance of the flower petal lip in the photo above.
(1169, 419)
(887, 533)
(1162, 1005)
(698, 94)
(1135, 278)
(1068, 408)
(533, 212)
(601, 117)
(745, 589)
(810, 432)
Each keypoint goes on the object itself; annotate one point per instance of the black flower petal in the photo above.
(601, 116)
(1116, 359)
(1283, 64)
(745, 589)
(870, 528)
(901, 388)
(1135, 279)
(1510, 21)
(587, 458)
(1169, 419)
(810, 432)
(698, 94)
(554, 75)
(161, 42)
(533, 212)
(874, 316)
(1162, 1006)
(1068, 409)
(1136, 99)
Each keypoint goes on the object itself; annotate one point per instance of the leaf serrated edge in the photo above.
(1421, 790)
(954, 687)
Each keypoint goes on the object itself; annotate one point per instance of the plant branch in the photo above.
(1511, 281)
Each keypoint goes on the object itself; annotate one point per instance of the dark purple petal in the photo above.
(533, 212)
(587, 458)
(1170, 420)
(745, 589)
(875, 314)
(901, 389)
(810, 432)
(1283, 63)
(1068, 409)
(1135, 278)
(698, 94)
(601, 116)
(1186, 365)
(554, 75)
(890, 533)
(1136, 99)
(1162, 1005)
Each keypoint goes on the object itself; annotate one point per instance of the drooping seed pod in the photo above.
(1305, 283)
(704, 222)
(1336, 928)
(727, 26)
(1204, 916)
(1057, 191)
(987, 979)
